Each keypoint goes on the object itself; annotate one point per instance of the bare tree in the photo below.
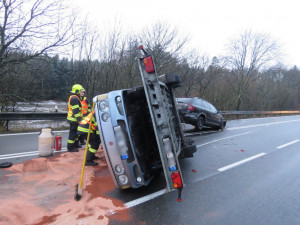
(89, 42)
(247, 55)
(130, 72)
(205, 75)
(111, 51)
(30, 29)
(165, 43)
(33, 27)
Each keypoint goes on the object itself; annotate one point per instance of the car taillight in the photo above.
(149, 66)
(190, 107)
(176, 179)
(177, 183)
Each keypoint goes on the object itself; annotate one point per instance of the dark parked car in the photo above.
(200, 113)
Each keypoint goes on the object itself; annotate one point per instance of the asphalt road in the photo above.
(247, 174)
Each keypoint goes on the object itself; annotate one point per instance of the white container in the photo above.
(46, 140)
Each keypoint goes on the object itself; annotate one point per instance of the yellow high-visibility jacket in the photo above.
(83, 127)
(86, 107)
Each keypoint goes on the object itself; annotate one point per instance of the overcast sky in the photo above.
(210, 24)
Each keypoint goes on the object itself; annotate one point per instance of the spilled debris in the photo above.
(41, 191)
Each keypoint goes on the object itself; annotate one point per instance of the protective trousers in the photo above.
(94, 143)
(73, 136)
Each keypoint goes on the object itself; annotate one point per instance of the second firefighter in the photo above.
(94, 140)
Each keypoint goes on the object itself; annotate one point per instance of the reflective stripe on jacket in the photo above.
(84, 124)
(75, 111)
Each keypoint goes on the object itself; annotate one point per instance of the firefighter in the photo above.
(74, 116)
(86, 109)
(94, 140)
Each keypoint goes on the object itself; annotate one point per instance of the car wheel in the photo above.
(200, 123)
(221, 126)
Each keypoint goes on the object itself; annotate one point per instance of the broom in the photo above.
(78, 188)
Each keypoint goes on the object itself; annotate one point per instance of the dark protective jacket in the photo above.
(75, 110)
(83, 127)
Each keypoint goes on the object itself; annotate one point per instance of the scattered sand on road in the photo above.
(41, 191)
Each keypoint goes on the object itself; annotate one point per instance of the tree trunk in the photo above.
(239, 102)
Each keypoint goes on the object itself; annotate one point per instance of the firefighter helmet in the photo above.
(77, 88)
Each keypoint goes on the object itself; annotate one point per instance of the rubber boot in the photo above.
(72, 148)
(95, 157)
(90, 159)
(81, 139)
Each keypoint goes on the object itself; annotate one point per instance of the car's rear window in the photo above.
(199, 102)
(212, 108)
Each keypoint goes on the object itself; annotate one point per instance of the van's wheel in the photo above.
(200, 123)
(172, 80)
(187, 151)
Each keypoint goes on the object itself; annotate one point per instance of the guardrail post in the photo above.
(6, 125)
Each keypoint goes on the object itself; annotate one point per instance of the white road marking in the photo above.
(16, 134)
(240, 162)
(25, 154)
(287, 144)
(19, 156)
(21, 153)
(207, 143)
(260, 125)
(145, 198)
(161, 192)
(164, 191)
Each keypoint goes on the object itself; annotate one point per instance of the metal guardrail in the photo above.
(9, 116)
(258, 112)
(247, 114)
